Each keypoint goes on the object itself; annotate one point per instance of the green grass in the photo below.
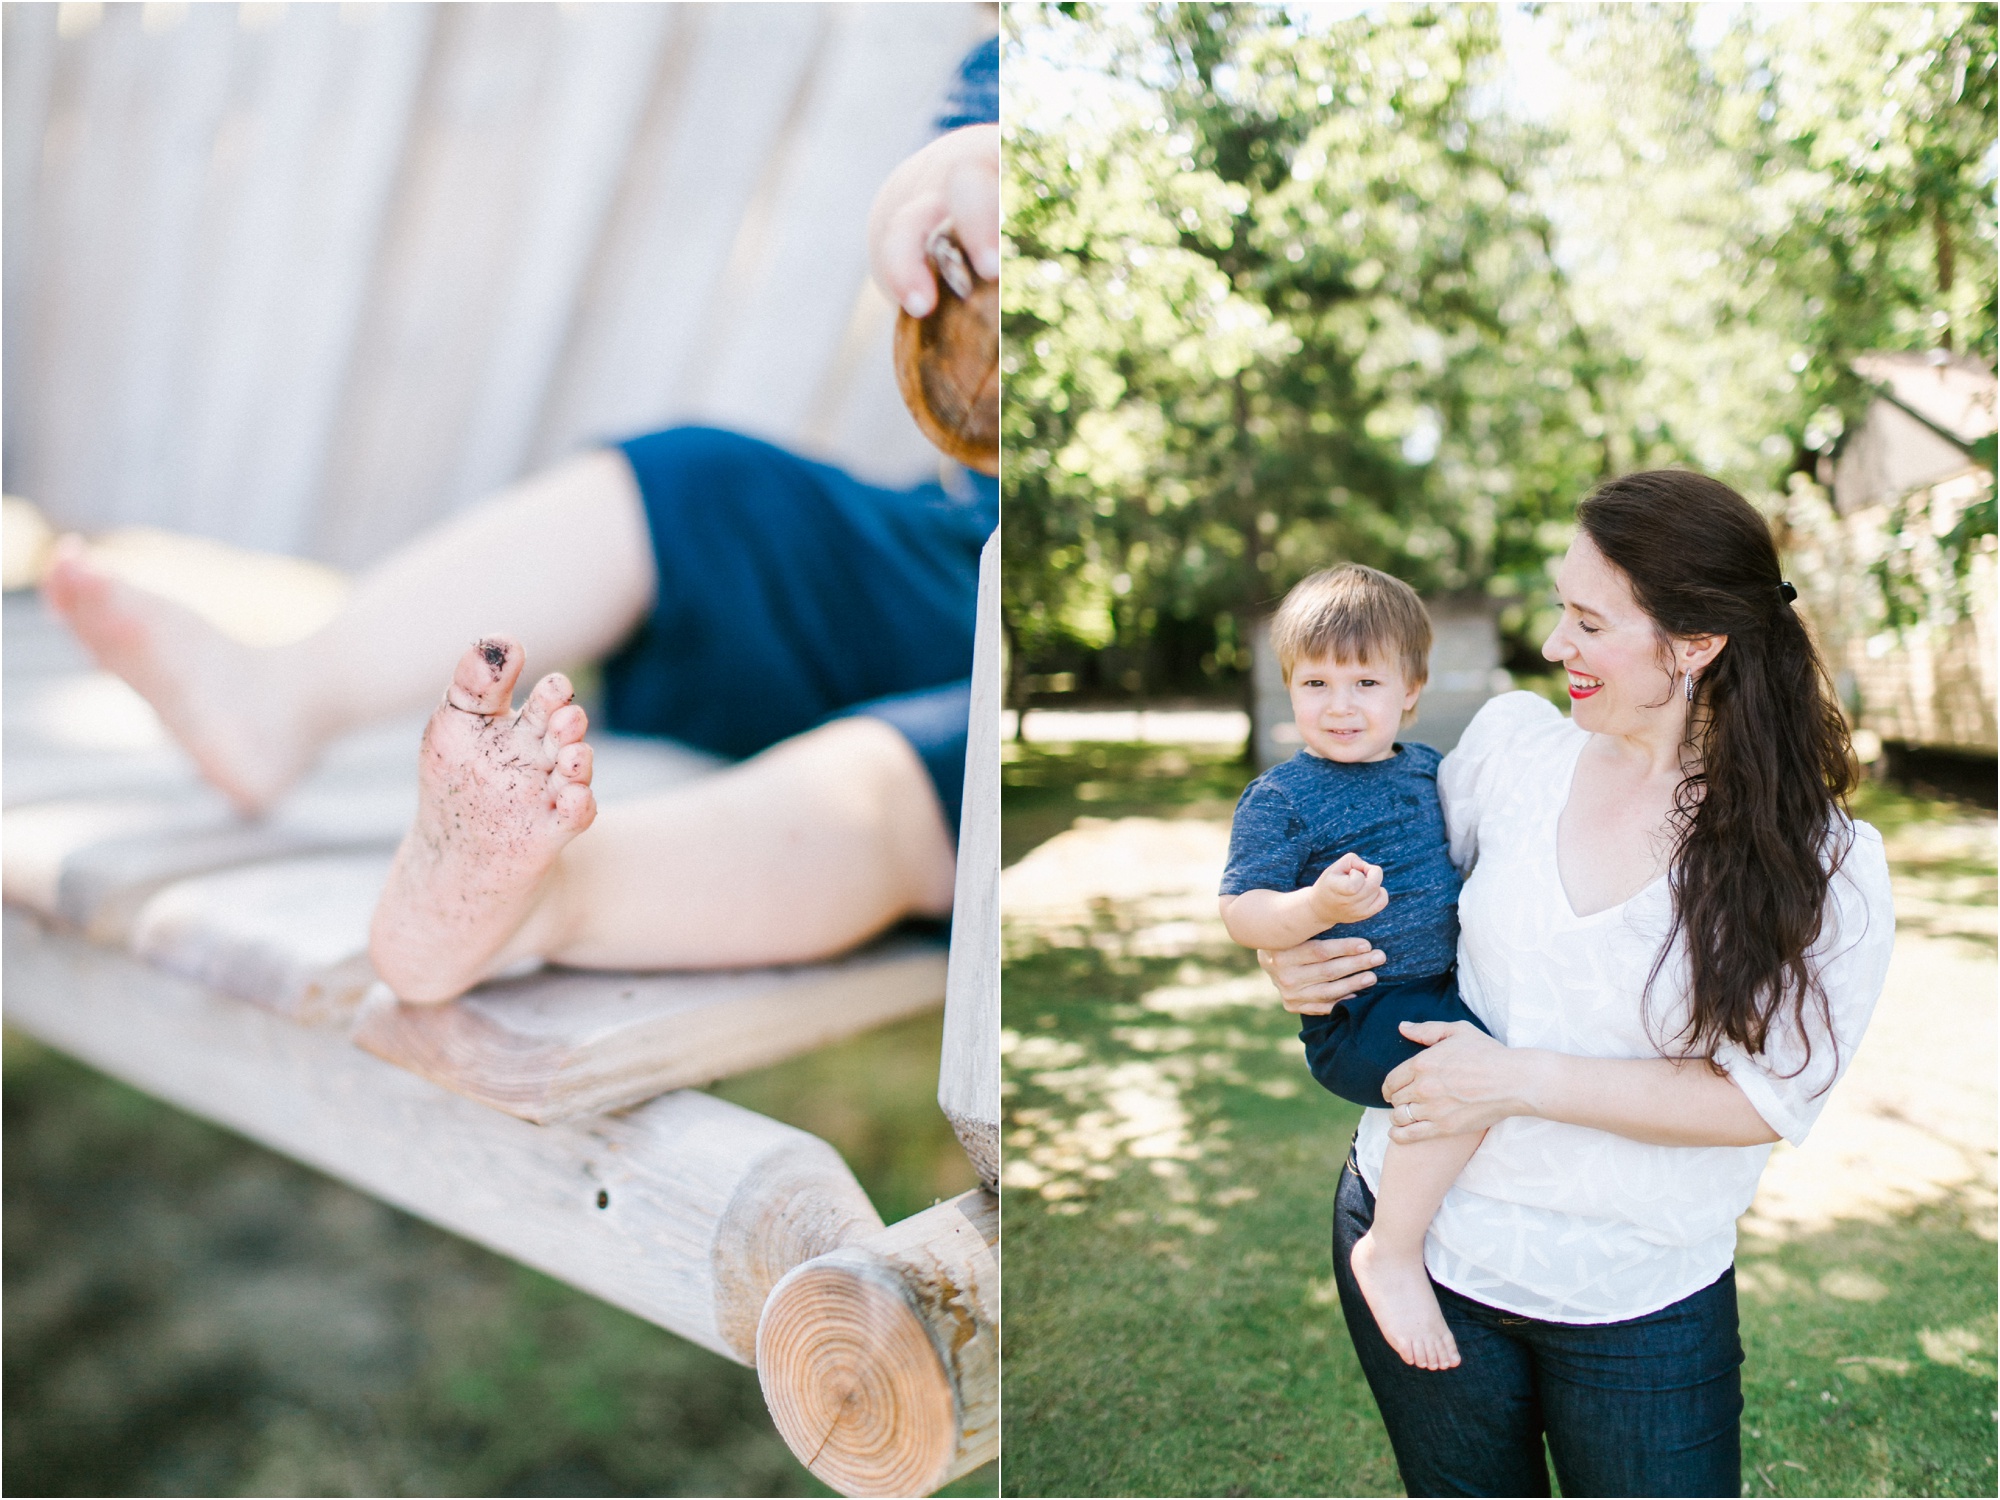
(1167, 1334)
(1170, 1327)
(187, 1313)
(1044, 788)
(1889, 1396)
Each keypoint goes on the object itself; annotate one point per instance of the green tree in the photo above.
(1281, 300)
(1282, 289)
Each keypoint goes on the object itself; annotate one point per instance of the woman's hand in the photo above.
(955, 177)
(1464, 1081)
(1319, 973)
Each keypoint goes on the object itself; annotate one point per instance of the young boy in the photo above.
(1353, 644)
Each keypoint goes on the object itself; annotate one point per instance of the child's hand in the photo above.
(955, 178)
(1349, 890)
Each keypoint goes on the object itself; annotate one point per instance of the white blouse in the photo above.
(1563, 1222)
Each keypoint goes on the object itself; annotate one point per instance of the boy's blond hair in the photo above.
(1353, 614)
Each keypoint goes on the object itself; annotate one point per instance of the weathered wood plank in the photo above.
(602, 67)
(562, 1043)
(880, 1361)
(80, 733)
(28, 45)
(684, 1211)
(201, 229)
(290, 934)
(122, 160)
(63, 859)
(886, 70)
(276, 911)
(969, 1068)
(93, 859)
(438, 298)
(188, 886)
(635, 361)
(303, 171)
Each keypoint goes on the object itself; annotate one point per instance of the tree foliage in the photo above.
(1396, 287)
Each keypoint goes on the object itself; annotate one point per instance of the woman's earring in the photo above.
(1687, 685)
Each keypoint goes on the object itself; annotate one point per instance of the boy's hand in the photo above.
(1349, 890)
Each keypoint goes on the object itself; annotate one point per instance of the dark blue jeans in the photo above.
(1649, 1406)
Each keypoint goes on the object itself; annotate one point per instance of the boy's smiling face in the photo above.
(1350, 711)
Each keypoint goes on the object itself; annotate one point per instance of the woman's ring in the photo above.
(1409, 1113)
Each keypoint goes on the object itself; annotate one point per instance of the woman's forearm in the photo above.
(1661, 1101)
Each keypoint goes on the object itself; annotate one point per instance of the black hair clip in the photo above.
(1787, 593)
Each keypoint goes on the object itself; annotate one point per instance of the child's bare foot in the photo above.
(499, 795)
(231, 706)
(1406, 1308)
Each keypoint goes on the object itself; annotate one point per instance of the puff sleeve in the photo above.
(1789, 1081)
(1480, 762)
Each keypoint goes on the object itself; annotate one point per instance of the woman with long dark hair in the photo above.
(1676, 936)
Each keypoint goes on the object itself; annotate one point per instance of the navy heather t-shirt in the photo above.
(1302, 815)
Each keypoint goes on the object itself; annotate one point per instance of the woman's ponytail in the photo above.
(1760, 818)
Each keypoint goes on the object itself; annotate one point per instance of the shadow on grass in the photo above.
(1171, 1326)
(187, 1313)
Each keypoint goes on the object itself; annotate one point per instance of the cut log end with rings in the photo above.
(879, 1361)
(948, 364)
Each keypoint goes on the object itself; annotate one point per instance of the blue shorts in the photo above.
(1354, 1046)
(791, 594)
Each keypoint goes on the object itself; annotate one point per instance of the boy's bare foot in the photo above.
(1406, 1308)
(230, 705)
(499, 795)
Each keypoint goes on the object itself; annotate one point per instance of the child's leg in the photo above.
(563, 560)
(798, 853)
(1388, 1261)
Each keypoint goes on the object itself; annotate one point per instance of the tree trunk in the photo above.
(1947, 260)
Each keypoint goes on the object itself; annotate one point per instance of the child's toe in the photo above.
(483, 682)
(550, 694)
(573, 763)
(575, 808)
(567, 725)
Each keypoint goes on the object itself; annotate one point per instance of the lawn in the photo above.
(1170, 1324)
(189, 1314)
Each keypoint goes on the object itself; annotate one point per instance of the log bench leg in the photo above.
(880, 1360)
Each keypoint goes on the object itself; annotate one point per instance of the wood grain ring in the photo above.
(853, 1381)
(948, 369)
